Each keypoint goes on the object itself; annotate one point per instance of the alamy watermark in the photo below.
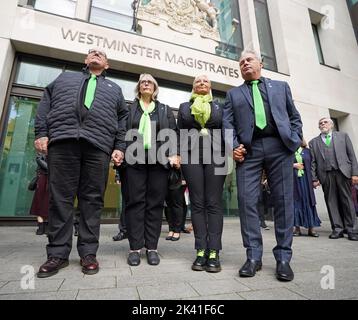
(28, 280)
(328, 281)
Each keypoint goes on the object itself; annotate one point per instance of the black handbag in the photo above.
(33, 183)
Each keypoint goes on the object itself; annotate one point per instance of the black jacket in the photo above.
(59, 112)
(166, 120)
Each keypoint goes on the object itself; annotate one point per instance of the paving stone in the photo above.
(272, 294)
(41, 285)
(109, 294)
(90, 283)
(167, 292)
(59, 295)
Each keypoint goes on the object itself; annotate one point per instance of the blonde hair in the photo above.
(147, 76)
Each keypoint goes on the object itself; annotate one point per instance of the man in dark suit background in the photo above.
(335, 167)
(267, 130)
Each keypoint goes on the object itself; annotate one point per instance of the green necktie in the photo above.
(328, 140)
(91, 88)
(260, 116)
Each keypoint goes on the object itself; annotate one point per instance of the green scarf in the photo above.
(299, 159)
(201, 109)
(144, 124)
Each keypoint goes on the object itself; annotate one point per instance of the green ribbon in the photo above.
(144, 124)
(201, 110)
(299, 159)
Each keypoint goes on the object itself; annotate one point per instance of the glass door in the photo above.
(17, 161)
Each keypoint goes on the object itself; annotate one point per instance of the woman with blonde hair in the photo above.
(201, 115)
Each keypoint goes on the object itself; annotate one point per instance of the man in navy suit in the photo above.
(264, 129)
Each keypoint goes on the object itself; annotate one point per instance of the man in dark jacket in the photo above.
(80, 124)
(267, 130)
(335, 167)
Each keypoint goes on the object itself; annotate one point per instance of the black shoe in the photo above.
(249, 269)
(336, 235)
(120, 236)
(169, 238)
(352, 236)
(89, 264)
(51, 267)
(284, 271)
(133, 258)
(153, 258)
(175, 238)
(213, 263)
(41, 228)
(200, 262)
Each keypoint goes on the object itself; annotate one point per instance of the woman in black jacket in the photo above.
(201, 156)
(147, 173)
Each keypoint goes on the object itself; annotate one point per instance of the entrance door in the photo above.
(17, 161)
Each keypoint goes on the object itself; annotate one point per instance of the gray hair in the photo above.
(147, 76)
(251, 51)
(326, 118)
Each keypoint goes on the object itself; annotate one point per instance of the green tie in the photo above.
(328, 140)
(260, 116)
(91, 88)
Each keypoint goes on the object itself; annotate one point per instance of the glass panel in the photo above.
(229, 26)
(318, 43)
(116, 14)
(17, 163)
(265, 35)
(65, 8)
(127, 87)
(32, 74)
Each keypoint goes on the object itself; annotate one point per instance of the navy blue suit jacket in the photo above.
(238, 115)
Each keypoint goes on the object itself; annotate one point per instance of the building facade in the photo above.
(311, 44)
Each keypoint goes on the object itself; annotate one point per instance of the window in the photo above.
(265, 35)
(65, 8)
(318, 44)
(117, 14)
(325, 41)
(353, 9)
(229, 25)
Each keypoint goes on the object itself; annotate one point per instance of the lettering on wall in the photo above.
(147, 52)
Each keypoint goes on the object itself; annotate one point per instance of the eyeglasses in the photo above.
(323, 122)
(100, 53)
(146, 81)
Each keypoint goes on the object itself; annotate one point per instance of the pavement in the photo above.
(324, 269)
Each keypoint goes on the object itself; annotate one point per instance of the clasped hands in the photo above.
(239, 153)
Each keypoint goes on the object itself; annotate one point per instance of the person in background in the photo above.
(39, 206)
(304, 198)
(120, 180)
(335, 167)
(174, 205)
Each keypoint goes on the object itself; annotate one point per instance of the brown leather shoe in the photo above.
(51, 267)
(89, 264)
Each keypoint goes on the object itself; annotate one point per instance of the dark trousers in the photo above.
(146, 191)
(122, 220)
(205, 189)
(269, 154)
(338, 195)
(76, 168)
(174, 209)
